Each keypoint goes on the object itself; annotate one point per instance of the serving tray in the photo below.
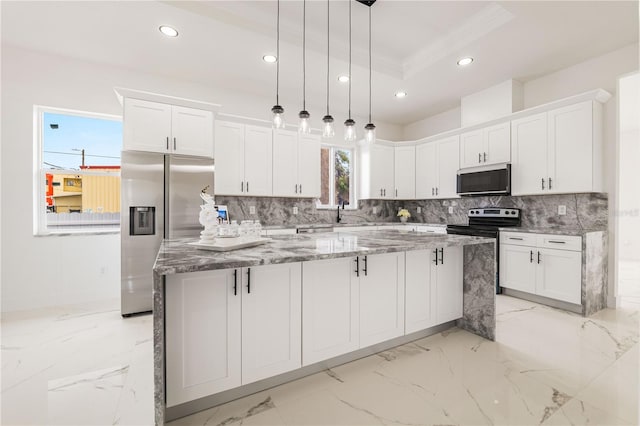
(228, 244)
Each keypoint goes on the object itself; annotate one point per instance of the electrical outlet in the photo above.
(450, 210)
(419, 209)
(445, 203)
(252, 209)
(454, 203)
(562, 210)
(375, 210)
(295, 210)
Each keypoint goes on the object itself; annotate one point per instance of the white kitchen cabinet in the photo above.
(436, 166)
(170, 129)
(330, 303)
(271, 320)
(243, 159)
(433, 290)
(376, 171)
(231, 327)
(203, 329)
(528, 264)
(489, 145)
(558, 151)
(381, 297)
(405, 172)
(296, 164)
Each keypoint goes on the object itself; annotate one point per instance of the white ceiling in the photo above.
(415, 44)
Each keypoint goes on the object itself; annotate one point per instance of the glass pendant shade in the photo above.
(350, 130)
(304, 125)
(370, 133)
(278, 117)
(327, 127)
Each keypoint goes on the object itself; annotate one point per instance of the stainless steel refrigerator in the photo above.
(160, 198)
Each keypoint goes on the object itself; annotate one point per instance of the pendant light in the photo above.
(370, 128)
(327, 128)
(349, 124)
(304, 126)
(277, 110)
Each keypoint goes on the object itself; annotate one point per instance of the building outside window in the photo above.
(78, 169)
(337, 177)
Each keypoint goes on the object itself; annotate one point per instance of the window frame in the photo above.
(353, 201)
(39, 172)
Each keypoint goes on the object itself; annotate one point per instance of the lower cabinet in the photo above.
(528, 264)
(230, 327)
(433, 287)
(351, 303)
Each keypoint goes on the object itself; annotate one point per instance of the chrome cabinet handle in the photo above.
(242, 186)
(396, 192)
(432, 191)
(174, 143)
(538, 257)
(442, 256)
(549, 183)
(301, 188)
(248, 280)
(357, 271)
(436, 259)
(167, 143)
(247, 187)
(479, 158)
(557, 242)
(542, 183)
(385, 192)
(530, 256)
(235, 282)
(381, 192)
(436, 190)
(364, 269)
(514, 238)
(485, 157)
(296, 188)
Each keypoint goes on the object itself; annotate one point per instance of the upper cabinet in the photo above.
(559, 151)
(405, 172)
(169, 129)
(243, 159)
(436, 166)
(489, 145)
(296, 164)
(377, 171)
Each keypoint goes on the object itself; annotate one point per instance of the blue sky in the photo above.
(99, 138)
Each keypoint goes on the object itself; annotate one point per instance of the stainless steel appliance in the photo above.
(159, 199)
(495, 179)
(484, 222)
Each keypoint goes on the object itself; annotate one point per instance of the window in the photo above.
(78, 171)
(337, 177)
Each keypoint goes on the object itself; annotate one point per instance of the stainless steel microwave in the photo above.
(489, 180)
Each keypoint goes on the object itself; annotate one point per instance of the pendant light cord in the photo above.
(349, 59)
(328, 42)
(304, 55)
(278, 56)
(369, 64)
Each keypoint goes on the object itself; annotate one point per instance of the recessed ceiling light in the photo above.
(168, 31)
(270, 59)
(465, 61)
(401, 94)
(343, 78)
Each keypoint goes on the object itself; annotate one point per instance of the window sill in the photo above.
(79, 232)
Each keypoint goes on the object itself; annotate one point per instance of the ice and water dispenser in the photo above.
(142, 220)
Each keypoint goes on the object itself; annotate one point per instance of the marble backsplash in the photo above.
(584, 211)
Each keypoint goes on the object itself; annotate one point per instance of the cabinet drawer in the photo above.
(560, 242)
(518, 238)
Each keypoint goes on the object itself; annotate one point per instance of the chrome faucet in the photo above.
(338, 218)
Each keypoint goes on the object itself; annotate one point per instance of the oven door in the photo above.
(487, 181)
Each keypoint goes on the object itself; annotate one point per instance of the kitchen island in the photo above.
(234, 323)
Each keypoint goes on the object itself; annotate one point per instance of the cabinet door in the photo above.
(420, 291)
(258, 161)
(285, 163)
(571, 148)
(202, 335)
(271, 320)
(426, 175)
(560, 275)
(471, 149)
(405, 172)
(529, 155)
(381, 298)
(192, 131)
(381, 167)
(449, 284)
(147, 126)
(229, 162)
(448, 158)
(308, 166)
(497, 144)
(330, 317)
(518, 267)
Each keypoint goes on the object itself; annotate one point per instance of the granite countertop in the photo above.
(176, 256)
(342, 224)
(554, 231)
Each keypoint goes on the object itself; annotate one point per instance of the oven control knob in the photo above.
(471, 212)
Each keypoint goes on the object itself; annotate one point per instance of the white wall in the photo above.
(48, 271)
(447, 120)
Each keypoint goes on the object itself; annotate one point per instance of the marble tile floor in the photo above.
(90, 367)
